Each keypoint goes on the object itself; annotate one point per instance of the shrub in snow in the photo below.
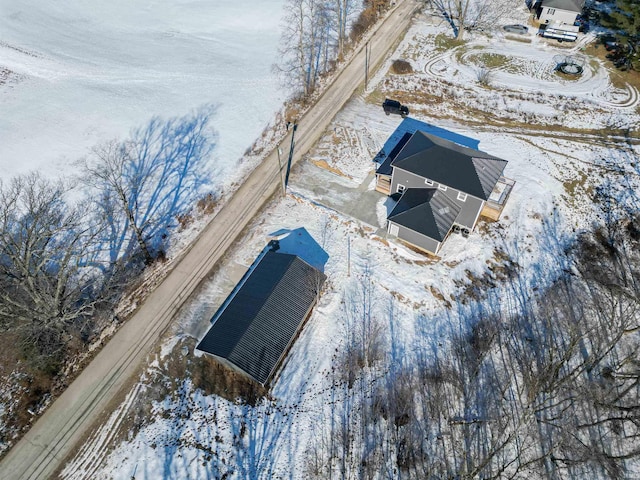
(401, 67)
(484, 76)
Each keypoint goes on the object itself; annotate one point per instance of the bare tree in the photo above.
(473, 14)
(114, 168)
(142, 184)
(306, 46)
(341, 11)
(47, 286)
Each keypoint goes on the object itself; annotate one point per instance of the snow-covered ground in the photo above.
(204, 437)
(74, 74)
(521, 84)
(193, 435)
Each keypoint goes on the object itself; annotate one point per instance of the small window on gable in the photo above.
(462, 197)
(442, 187)
(551, 11)
(428, 182)
(401, 188)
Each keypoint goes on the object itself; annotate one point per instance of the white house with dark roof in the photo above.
(557, 13)
(442, 187)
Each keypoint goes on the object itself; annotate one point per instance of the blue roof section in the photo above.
(411, 125)
(385, 167)
(298, 242)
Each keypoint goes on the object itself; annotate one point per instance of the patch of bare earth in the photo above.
(7, 76)
(323, 164)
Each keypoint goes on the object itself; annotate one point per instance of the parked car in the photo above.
(615, 55)
(395, 107)
(519, 29)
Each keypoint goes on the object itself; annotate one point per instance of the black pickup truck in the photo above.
(395, 107)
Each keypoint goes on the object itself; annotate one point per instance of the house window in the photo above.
(462, 197)
(428, 182)
(551, 11)
(442, 187)
(401, 188)
(393, 229)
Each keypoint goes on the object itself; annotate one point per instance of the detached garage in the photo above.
(256, 325)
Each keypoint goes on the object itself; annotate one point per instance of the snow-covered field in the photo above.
(192, 435)
(74, 74)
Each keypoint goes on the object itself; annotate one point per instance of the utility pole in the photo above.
(293, 136)
(367, 54)
(284, 189)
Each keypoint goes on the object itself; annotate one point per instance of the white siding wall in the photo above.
(557, 15)
(471, 208)
(415, 238)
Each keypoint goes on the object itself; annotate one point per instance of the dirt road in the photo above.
(40, 452)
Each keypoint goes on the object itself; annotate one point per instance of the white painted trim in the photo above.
(478, 215)
(442, 187)
(428, 182)
(462, 196)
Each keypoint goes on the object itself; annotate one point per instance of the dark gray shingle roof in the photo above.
(427, 211)
(255, 327)
(569, 5)
(465, 169)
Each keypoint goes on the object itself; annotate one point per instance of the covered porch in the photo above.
(383, 183)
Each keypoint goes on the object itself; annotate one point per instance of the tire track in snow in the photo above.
(89, 458)
(632, 100)
(447, 66)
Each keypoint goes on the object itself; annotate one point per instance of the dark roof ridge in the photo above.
(426, 204)
(293, 258)
(241, 284)
(443, 142)
(432, 190)
(569, 5)
(450, 164)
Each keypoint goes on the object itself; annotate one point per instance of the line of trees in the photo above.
(67, 254)
(526, 382)
(623, 18)
(316, 34)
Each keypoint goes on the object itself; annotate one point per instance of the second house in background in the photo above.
(559, 12)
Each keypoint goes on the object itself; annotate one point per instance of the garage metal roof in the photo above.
(255, 326)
